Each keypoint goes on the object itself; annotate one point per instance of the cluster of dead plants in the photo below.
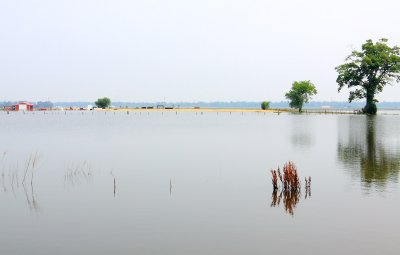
(289, 179)
(287, 187)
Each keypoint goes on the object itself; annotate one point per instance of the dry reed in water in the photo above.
(290, 187)
(289, 179)
(274, 179)
(31, 164)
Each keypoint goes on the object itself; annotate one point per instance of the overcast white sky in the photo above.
(182, 50)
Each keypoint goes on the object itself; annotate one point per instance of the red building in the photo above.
(22, 106)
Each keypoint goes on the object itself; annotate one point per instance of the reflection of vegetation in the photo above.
(290, 199)
(301, 139)
(30, 199)
(11, 181)
(364, 151)
(301, 134)
(31, 165)
(115, 186)
(76, 173)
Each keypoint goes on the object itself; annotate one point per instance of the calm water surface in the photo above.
(187, 183)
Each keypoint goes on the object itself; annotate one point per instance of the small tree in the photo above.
(103, 102)
(300, 94)
(265, 105)
(369, 70)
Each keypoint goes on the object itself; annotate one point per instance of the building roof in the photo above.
(24, 103)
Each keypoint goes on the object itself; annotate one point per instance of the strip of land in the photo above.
(232, 110)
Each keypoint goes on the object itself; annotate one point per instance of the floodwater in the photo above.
(197, 183)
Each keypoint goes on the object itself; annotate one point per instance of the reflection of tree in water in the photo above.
(290, 199)
(301, 135)
(364, 150)
(302, 140)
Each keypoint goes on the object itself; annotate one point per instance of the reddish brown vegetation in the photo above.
(274, 179)
(290, 187)
(290, 179)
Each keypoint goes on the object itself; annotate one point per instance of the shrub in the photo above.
(103, 102)
(265, 105)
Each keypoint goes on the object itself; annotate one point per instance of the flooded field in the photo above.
(197, 183)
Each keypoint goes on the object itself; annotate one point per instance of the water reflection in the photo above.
(290, 199)
(11, 183)
(30, 197)
(368, 151)
(170, 186)
(301, 135)
(115, 185)
(77, 173)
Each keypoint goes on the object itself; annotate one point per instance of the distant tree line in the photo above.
(44, 104)
(364, 72)
(244, 104)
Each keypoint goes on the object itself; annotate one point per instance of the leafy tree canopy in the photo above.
(265, 105)
(300, 94)
(103, 102)
(369, 71)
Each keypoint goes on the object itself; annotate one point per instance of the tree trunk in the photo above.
(370, 107)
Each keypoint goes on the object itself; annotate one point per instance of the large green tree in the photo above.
(300, 94)
(103, 102)
(369, 71)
